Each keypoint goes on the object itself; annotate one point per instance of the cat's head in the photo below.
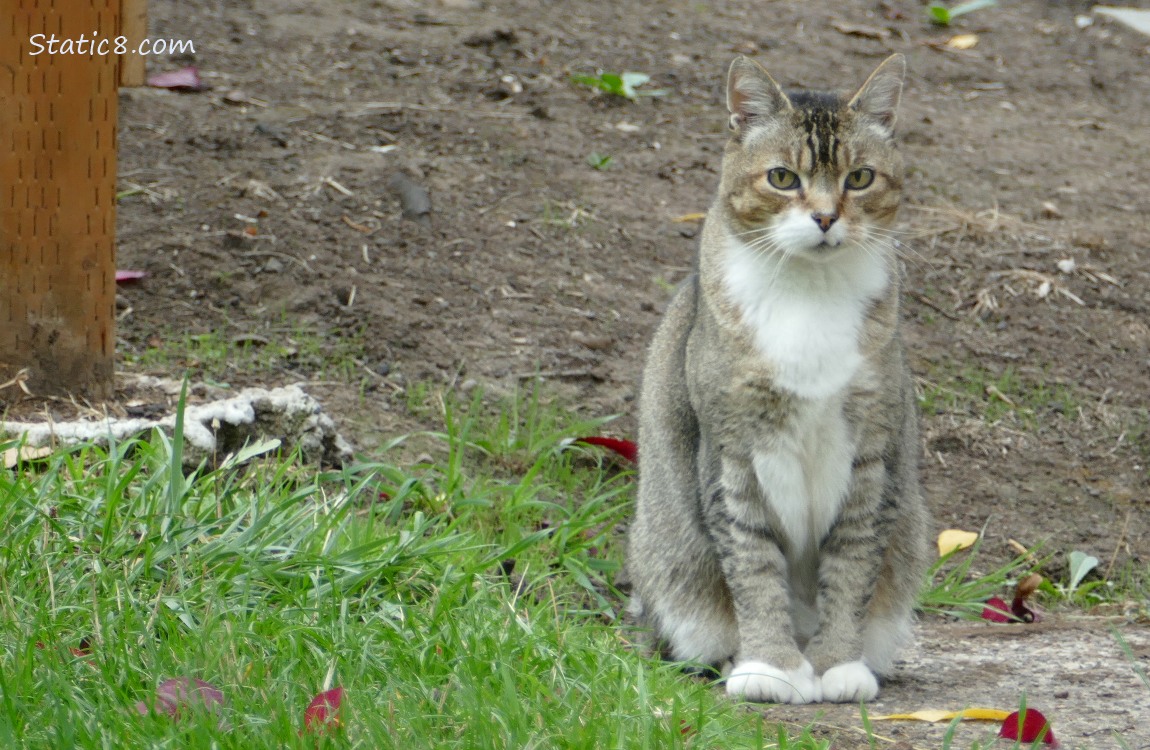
(812, 174)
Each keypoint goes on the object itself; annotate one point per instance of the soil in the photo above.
(270, 210)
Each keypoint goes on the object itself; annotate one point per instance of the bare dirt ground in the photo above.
(265, 213)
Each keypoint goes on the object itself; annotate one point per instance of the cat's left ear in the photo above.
(878, 97)
(751, 93)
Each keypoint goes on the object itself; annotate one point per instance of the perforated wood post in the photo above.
(134, 28)
(57, 198)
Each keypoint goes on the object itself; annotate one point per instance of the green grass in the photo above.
(463, 602)
(996, 396)
(958, 587)
(221, 356)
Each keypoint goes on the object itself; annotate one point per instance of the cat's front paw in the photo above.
(760, 682)
(849, 682)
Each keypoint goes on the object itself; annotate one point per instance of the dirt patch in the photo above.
(1076, 671)
(266, 215)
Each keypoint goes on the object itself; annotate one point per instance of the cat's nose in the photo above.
(824, 220)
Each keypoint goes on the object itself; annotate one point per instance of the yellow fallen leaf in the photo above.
(936, 715)
(952, 540)
(962, 41)
(689, 217)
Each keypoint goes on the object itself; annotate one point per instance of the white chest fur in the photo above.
(805, 473)
(805, 315)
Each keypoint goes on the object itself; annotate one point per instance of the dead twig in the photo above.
(932, 305)
(375, 108)
(18, 380)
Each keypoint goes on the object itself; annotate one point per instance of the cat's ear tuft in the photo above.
(878, 97)
(752, 93)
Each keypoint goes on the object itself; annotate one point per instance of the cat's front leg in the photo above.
(849, 563)
(769, 667)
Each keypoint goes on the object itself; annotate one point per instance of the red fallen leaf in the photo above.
(996, 610)
(625, 448)
(184, 79)
(176, 694)
(1029, 729)
(125, 277)
(83, 652)
(323, 713)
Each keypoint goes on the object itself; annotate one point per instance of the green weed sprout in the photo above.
(941, 15)
(619, 84)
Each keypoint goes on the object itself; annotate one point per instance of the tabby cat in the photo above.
(780, 535)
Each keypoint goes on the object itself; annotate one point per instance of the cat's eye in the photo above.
(781, 178)
(860, 178)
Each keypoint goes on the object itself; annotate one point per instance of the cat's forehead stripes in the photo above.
(818, 117)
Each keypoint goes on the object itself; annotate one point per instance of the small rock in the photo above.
(467, 386)
(1067, 265)
(236, 96)
(1050, 210)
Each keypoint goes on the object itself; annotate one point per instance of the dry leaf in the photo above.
(323, 714)
(175, 696)
(184, 79)
(962, 41)
(1032, 726)
(856, 29)
(124, 277)
(952, 540)
(935, 715)
(997, 610)
(625, 448)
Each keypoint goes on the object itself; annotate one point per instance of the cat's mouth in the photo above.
(825, 248)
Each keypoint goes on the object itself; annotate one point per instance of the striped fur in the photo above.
(780, 534)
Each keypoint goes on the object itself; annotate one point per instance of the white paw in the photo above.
(760, 682)
(849, 682)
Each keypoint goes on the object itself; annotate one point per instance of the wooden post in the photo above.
(134, 28)
(58, 198)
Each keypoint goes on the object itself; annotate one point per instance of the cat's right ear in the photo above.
(751, 93)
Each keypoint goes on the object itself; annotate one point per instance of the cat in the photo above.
(780, 535)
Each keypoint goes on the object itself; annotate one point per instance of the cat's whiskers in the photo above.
(896, 240)
(770, 248)
(876, 251)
